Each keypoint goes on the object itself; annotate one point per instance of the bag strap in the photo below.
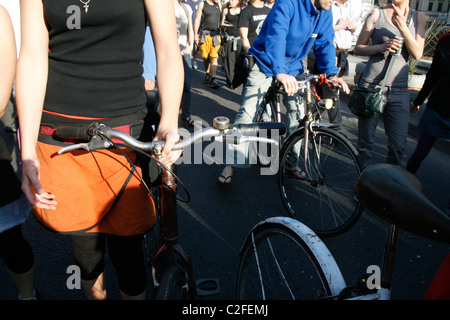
(410, 14)
(187, 16)
(388, 71)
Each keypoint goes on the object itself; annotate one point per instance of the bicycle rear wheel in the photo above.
(282, 259)
(318, 190)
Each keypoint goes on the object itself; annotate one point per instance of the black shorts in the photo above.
(126, 255)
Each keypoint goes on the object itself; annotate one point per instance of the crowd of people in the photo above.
(66, 76)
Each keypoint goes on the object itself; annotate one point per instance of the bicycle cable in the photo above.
(118, 145)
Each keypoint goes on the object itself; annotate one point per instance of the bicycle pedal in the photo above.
(207, 287)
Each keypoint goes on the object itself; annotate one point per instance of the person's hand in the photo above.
(391, 45)
(171, 138)
(149, 85)
(351, 26)
(289, 83)
(32, 188)
(342, 24)
(413, 108)
(342, 83)
(399, 18)
(188, 50)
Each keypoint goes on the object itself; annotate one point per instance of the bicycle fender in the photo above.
(315, 244)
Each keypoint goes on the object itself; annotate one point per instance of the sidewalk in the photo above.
(414, 119)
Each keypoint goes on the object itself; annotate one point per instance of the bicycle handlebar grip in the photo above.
(252, 129)
(73, 132)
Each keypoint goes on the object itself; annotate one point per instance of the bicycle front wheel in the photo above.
(282, 259)
(174, 285)
(317, 185)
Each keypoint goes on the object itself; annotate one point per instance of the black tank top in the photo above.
(233, 19)
(95, 57)
(210, 16)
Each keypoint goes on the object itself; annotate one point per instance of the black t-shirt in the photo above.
(252, 18)
(95, 58)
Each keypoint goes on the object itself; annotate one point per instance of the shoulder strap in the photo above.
(185, 10)
(410, 14)
(391, 62)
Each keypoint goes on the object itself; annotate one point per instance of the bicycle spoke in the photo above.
(279, 268)
(323, 201)
(261, 282)
(286, 266)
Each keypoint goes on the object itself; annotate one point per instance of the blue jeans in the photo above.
(252, 97)
(187, 94)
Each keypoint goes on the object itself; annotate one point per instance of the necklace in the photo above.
(86, 5)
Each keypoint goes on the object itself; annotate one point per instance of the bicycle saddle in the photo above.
(396, 196)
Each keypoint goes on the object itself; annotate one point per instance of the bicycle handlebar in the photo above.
(236, 133)
(311, 79)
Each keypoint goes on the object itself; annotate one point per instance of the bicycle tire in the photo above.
(174, 285)
(324, 200)
(266, 153)
(290, 262)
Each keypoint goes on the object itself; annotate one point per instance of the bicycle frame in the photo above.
(170, 257)
(309, 120)
(170, 253)
(384, 291)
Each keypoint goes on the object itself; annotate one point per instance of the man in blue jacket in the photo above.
(287, 35)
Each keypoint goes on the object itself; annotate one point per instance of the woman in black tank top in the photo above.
(81, 61)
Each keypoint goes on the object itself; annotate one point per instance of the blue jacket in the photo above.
(288, 34)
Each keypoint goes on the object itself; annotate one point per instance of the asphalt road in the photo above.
(214, 223)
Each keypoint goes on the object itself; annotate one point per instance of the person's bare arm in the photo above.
(244, 37)
(414, 43)
(170, 76)
(197, 21)
(8, 60)
(31, 82)
(362, 48)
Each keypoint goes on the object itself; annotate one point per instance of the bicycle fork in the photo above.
(171, 253)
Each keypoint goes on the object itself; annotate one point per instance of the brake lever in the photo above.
(72, 147)
(96, 143)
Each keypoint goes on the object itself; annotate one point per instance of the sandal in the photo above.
(226, 179)
(189, 121)
(296, 172)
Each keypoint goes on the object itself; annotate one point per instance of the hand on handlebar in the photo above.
(289, 83)
(171, 138)
(342, 83)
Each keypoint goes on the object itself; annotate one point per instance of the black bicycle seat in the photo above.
(396, 195)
